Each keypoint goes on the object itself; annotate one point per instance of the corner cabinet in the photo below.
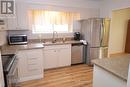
(30, 65)
(57, 56)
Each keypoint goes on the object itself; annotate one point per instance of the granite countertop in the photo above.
(118, 66)
(61, 42)
(12, 49)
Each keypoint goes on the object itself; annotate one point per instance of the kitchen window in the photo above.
(43, 21)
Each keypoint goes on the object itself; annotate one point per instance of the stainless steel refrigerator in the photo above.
(96, 32)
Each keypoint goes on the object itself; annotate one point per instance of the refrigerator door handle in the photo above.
(102, 31)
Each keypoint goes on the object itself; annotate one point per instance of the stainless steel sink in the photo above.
(53, 43)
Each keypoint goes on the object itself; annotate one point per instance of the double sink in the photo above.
(55, 43)
(60, 42)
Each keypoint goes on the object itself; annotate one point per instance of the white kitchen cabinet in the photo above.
(50, 59)
(57, 56)
(12, 23)
(20, 20)
(22, 16)
(103, 78)
(1, 73)
(30, 65)
(64, 57)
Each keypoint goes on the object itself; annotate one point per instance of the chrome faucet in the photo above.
(54, 38)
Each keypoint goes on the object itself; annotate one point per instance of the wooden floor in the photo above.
(74, 76)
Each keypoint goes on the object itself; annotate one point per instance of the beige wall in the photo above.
(118, 30)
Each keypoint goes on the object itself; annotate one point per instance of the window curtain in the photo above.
(44, 17)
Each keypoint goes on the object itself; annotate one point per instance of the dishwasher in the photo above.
(77, 53)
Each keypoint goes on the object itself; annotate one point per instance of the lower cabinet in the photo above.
(57, 56)
(30, 65)
(103, 78)
(50, 59)
(64, 57)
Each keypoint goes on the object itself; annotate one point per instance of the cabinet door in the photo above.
(12, 23)
(50, 59)
(22, 64)
(22, 16)
(64, 57)
(30, 64)
(34, 61)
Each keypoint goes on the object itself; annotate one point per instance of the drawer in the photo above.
(32, 58)
(32, 62)
(34, 53)
(33, 67)
(57, 47)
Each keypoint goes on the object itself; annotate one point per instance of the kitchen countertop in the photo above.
(118, 66)
(61, 42)
(12, 49)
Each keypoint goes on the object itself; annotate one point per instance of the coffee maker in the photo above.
(76, 35)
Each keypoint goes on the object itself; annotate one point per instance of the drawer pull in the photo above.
(32, 69)
(32, 64)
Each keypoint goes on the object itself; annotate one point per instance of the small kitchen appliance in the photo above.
(17, 39)
(77, 36)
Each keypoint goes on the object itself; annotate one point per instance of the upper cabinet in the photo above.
(12, 23)
(20, 21)
(22, 16)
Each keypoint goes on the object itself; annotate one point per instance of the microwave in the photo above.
(17, 39)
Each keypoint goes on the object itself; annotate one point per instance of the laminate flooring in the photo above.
(71, 76)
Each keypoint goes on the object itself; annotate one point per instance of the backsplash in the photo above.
(40, 36)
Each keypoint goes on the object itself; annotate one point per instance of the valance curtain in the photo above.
(44, 17)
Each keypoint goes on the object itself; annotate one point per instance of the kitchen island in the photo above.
(111, 72)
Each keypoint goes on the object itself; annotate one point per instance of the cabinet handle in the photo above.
(32, 69)
(32, 64)
(32, 58)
